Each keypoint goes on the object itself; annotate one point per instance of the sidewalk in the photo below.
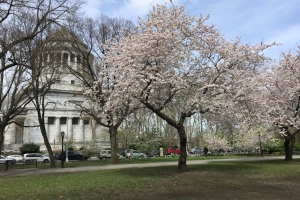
(36, 171)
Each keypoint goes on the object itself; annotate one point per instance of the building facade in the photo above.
(62, 113)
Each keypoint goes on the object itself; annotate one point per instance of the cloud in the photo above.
(128, 9)
(288, 39)
(254, 21)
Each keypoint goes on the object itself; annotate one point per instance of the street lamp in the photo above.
(261, 153)
(1, 142)
(67, 143)
(62, 149)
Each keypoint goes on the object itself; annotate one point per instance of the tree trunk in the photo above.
(182, 167)
(1, 141)
(114, 144)
(289, 142)
(47, 144)
(179, 125)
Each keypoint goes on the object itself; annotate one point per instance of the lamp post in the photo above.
(62, 149)
(67, 143)
(54, 144)
(261, 153)
(1, 142)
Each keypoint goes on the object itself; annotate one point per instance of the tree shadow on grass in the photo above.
(215, 180)
(216, 166)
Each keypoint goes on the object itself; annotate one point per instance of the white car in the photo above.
(105, 154)
(18, 158)
(136, 154)
(9, 161)
(35, 157)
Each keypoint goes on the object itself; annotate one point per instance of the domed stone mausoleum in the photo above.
(62, 112)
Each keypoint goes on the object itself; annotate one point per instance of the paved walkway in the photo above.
(36, 171)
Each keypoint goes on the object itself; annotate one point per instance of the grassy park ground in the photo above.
(276, 179)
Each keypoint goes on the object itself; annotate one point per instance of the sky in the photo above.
(255, 21)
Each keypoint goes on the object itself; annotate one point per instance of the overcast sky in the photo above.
(253, 20)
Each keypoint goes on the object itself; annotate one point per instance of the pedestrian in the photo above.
(205, 151)
(124, 153)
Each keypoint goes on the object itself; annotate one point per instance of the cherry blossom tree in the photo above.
(97, 76)
(251, 139)
(248, 112)
(216, 142)
(281, 94)
(272, 99)
(176, 61)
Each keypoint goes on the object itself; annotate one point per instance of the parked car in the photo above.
(2, 159)
(221, 151)
(196, 150)
(18, 158)
(34, 157)
(136, 154)
(153, 153)
(72, 155)
(47, 158)
(105, 154)
(10, 161)
(172, 150)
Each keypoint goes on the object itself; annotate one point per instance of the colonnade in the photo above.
(62, 58)
(76, 134)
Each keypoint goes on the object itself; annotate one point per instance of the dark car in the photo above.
(153, 153)
(72, 155)
(46, 156)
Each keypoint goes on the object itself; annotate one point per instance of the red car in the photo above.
(172, 150)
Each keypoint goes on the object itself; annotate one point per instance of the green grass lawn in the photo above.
(217, 180)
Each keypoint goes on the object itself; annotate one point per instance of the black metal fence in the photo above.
(32, 163)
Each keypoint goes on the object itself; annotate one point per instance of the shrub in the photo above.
(297, 147)
(132, 146)
(277, 146)
(30, 148)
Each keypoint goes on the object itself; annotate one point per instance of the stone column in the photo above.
(69, 59)
(70, 128)
(47, 130)
(25, 133)
(78, 60)
(57, 126)
(61, 60)
(10, 135)
(75, 62)
(81, 130)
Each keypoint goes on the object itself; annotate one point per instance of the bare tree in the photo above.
(94, 34)
(44, 76)
(23, 24)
